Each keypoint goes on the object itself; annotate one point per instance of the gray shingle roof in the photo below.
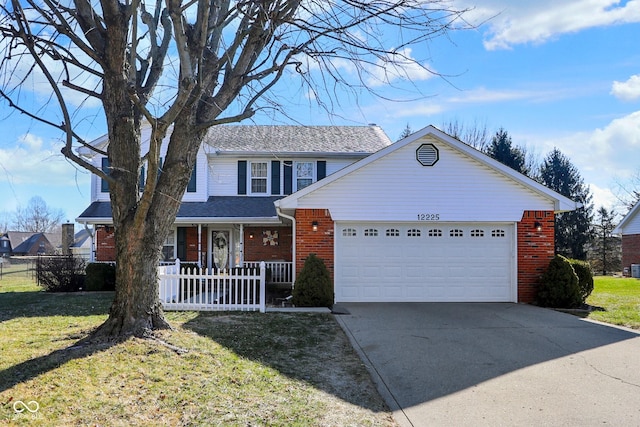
(294, 139)
(214, 207)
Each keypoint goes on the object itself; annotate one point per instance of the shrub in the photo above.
(559, 285)
(313, 286)
(100, 277)
(585, 278)
(60, 273)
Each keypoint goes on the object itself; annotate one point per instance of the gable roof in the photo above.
(282, 139)
(560, 202)
(628, 219)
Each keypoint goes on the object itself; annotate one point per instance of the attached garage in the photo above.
(424, 262)
(427, 218)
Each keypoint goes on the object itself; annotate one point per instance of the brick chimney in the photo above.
(68, 235)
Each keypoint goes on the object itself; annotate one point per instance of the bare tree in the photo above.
(37, 217)
(474, 134)
(185, 66)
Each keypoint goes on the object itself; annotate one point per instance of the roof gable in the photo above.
(462, 180)
(630, 224)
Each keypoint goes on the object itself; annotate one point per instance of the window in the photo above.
(191, 187)
(349, 232)
(259, 177)
(413, 232)
(304, 174)
(104, 185)
(370, 232)
(168, 247)
(497, 233)
(393, 232)
(434, 232)
(477, 233)
(456, 232)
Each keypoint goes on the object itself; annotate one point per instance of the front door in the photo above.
(220, 249)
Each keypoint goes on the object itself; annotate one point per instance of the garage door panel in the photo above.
(471, 265)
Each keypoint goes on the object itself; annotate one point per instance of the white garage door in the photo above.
(424, 262)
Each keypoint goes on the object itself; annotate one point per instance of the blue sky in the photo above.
(552, 74)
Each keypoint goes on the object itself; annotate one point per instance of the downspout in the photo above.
(293, 238)
(92, 244)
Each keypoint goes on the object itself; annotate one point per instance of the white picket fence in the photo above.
(239, 289)
(281, 271)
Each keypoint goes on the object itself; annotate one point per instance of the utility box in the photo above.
(635, 271)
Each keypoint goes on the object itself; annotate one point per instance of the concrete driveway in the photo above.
(496, 364)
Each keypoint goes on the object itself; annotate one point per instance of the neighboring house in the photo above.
(427, 218)
(81, 246)
(18, 243)
(629, 228)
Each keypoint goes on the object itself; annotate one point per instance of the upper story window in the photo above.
(259, 177)
(104, 184)
(304, 174)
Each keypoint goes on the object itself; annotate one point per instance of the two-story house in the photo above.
(427, 218)
(228, 216)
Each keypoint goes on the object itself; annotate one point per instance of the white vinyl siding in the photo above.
(456, 188)
(464, 263)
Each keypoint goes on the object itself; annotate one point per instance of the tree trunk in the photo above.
(136, 309)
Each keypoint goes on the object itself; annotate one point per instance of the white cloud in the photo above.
(627, 91)
(33, 162)
(602, 155)
(510, 23)
(398, 66)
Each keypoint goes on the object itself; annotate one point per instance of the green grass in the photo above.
(619, 297)
(240, 369)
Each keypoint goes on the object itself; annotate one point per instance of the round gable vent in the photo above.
(427, 154)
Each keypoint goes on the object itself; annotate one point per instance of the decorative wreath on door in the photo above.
(270, 238)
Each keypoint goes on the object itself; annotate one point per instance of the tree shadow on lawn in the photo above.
(15, 305)
(309, 347)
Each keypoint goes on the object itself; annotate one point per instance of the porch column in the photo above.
(200, 245)
(241, 243)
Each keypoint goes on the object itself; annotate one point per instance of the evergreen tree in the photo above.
(503, 150)
(405, 132)
(606, 253)
(573, 229)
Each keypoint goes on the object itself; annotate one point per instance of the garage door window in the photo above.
(392, 232)
(456, 232)
(413, 232)
(477, 233)
(349, 232)
(370, 232)
(497, 233)
(434, 232)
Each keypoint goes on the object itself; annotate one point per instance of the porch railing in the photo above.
(279, 272)
(224, 290)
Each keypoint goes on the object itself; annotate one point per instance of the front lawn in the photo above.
(239, 369)
(620, 299)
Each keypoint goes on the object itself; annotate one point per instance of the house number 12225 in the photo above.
(428, 217)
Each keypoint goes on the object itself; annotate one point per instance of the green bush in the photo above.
(559, 285)
(100, 277)
(585, 277)
(313, 286)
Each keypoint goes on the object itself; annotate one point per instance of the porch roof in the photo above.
(215, 209)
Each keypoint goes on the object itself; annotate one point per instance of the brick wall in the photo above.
(256, 250)
(105, 244)
(535, 251)
(630, 250)
(319, 242)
